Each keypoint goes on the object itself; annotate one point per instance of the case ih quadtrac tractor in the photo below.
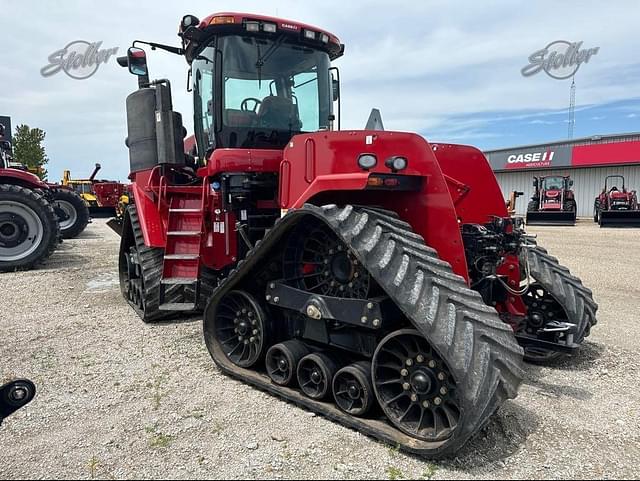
(368, 276)
(615, 206)
(553, 202)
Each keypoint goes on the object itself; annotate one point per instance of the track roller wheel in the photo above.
(282, 359)
(240, 327)
(352, 389)
(315, 374)
(414, 386)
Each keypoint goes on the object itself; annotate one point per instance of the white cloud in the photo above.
(426, 65)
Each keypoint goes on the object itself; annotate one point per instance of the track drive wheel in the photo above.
(240, 327)
(540, 306)
(72, 212)
(29, 231)
(352, 389)
(282, 360)
(415, 387)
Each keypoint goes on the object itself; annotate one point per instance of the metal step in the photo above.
(177, 306)
(186, 211)
(179, 281)
(182, 257)
(191, 233)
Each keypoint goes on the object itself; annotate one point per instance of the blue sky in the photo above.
(448, 70)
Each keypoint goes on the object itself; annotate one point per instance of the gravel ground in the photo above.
(120, 399)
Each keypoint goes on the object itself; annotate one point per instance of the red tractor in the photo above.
(553, 201)
(616, 207)
(29, 229)
(368, 276)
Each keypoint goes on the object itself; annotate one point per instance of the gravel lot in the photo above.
(120, 399)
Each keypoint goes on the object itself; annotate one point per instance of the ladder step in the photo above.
(191, 233)
(186, 211)
(179, 281)
(177, 306)
(182, 257)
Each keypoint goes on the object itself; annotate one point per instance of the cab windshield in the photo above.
(554, 183)
(255, 92)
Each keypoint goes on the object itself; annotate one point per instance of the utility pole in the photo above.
(572, 107)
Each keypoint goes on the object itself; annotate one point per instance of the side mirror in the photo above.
(571, 183)
(188, 21)
(535, 182)
(5, 145)
(137, 60)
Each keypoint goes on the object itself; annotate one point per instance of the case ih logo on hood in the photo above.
(79, 59)
(560, 59)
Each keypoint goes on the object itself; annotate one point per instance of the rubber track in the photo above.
(480, 349)
(567, 289)
(36, 196)
(151, 261)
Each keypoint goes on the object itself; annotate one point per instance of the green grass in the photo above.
(430, 471)
(394, 473)
(160, 441)
(93, 466)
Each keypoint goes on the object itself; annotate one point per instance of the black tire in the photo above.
(68, 203)
(35, 206)
(596, 212)
(567, 289)
(532, 206)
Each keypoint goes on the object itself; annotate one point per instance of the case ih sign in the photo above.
(565, 156)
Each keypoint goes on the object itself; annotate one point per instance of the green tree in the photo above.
(28, 149)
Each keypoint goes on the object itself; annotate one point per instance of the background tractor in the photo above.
(351, 272)
(101, 196)
(29, 229)
(553, 201)
(616, 206)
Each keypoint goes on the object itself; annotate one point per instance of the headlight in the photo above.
(396, 163)
(367, 161)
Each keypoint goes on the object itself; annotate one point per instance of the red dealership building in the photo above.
(587, 160)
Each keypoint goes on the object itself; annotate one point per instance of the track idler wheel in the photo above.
(352, 389)
(282, 360)
(414, 386)
(240, 328)
(315, 374)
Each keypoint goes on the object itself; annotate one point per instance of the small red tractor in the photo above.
(368, 276)
(553, 202)
(101, 196)
(615, 206)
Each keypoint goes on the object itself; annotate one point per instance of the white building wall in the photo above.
(587, 184)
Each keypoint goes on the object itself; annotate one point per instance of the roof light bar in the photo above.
(269, 27)
(309, 34)
(252, 26)
(222, 19)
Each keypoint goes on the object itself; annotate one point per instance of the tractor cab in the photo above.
(257, 81)
(262, 90)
